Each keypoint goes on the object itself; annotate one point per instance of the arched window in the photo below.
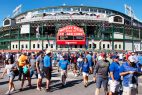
(117, 19)
(7, 22)
(103, 45)
(119, 46)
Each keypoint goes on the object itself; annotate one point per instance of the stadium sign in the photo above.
(71, 35)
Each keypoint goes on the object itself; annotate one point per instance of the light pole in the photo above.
(68, 47)
(92, 44)
(100, 43)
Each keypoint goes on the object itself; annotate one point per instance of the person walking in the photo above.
(101, 71)
(114, 80)
(47, 68)
(85, 71)
(24, 70)
(63, 64)
(9, 69)
(130, 72)
(39, 68)
(79, 63)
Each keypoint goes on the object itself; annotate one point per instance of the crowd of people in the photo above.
(117, 72)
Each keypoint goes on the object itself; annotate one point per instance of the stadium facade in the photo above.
(71, 27)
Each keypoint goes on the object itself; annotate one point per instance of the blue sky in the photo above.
(7, 6)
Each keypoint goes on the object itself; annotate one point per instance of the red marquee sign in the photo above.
(71, 35)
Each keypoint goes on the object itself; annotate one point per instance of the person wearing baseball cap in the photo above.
(47, 68)
(64, 64)
(114, 79)
(130, 72)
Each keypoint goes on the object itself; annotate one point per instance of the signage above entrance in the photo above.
(71, 35)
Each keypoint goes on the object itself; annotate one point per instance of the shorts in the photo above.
(27, 74)
(40, 76)
(47, 71)
(114, 86)
(63, 73)
(85, 74)
(100, 81)
(74, 66)
(11, 76)
(129, 91)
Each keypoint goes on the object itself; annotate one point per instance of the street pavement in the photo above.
(74, 86)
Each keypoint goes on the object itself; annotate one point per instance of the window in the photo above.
(46, 45)
(116, 46)
(80, 46)
(16, 46)
(89, 45)
(117, 19)
(13, 46)
(26, 46)
(51, 45)
(38, 46)
(103, 45)
(7, 22)
(108, 46)
(75, 46)
(22, 46)
(33, 45)
(94, 45)
(119, 46)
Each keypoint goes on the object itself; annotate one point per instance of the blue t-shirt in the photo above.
(63, 64)
(125, 68)
(85, 67)
(114, 67)
(140, 60)
(89, 58)
(47, 61)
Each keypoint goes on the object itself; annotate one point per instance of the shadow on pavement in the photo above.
(92, 82)
(4, 82)
(68, 84)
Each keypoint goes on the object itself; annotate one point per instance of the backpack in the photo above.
(25, 69)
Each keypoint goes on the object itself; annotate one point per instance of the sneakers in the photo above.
(38, 89)
(12, 89)
(75, 75)
(7, 93)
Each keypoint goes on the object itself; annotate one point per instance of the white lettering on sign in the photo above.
(71, 28)
(70, 42)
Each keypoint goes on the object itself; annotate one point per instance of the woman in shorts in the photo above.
(9, 69)
(85, 71)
